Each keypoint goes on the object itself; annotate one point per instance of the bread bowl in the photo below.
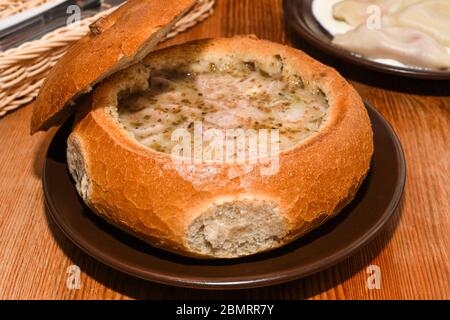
(121, 158)
(113, 43)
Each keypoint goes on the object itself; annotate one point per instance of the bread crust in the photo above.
(113, 43)
(145, 193)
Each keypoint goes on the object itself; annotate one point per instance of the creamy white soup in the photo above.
(246, 98)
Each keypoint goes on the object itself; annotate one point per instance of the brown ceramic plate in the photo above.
(340, 237)
(299, 15)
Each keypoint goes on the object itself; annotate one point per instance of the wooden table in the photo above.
(413, 251)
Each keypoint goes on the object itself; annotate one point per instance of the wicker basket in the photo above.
(23, 69)
(11, 7)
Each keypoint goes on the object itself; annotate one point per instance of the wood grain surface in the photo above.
(413, 251)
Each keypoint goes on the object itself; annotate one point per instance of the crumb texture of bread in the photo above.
(77, 167)
(237, 228)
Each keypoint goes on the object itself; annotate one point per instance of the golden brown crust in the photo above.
(156, 199)
(115, 42)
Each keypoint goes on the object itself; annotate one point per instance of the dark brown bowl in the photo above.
(299, 15)
(337, 239)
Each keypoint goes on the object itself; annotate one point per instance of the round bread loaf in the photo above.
(121, 151)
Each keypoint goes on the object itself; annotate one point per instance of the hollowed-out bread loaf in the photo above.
(121, 157)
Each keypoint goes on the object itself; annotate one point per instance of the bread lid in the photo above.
(113, 43)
